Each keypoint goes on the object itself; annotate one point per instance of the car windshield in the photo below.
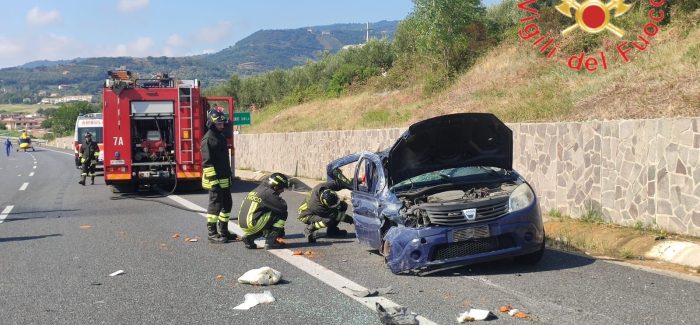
(450, 175)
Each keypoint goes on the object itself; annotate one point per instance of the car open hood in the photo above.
(451, 141)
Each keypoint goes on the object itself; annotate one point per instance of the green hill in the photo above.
(262, 51)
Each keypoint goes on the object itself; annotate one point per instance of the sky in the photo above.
(67, 29)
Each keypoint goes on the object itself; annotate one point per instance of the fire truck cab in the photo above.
(153, 129)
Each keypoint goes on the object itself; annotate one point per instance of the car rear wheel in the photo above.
(532, 258)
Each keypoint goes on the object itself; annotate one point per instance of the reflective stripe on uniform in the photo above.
(279, 224)
(262, 221)
(340, 216)
(304, 219)
(320, 225)
(223, 217)
(211, 218)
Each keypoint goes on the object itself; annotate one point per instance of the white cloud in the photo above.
(213, 34)
(131, 5)
(175, 40)
(142, 46)
(37, 17)
(208, 51)
(9, 48)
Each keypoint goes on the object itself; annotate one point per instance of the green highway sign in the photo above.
(241, 118)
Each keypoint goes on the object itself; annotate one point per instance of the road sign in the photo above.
(242, 118)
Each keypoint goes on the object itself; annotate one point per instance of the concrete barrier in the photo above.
(631, 172)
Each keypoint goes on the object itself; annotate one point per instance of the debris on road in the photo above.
(193, 240)
(95, 283)
(175, 235)
(219, 277)
(513, 312)
(474, 314)
(117, 273)
(396, 315)
(253, 299)
(308, 253)
(262, 276)
(85, 226)
(371, 292)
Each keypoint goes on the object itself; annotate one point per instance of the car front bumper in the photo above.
(517, 233)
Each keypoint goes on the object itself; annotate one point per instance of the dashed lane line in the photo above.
(65, 153)
(31, 174)
(334, 280)
(5, 213)
(24, 186)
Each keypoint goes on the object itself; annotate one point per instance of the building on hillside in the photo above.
(65, 99)
(19, 122)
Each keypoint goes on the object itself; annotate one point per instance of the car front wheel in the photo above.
(532, 258)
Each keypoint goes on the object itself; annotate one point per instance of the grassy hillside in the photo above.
(518, 85)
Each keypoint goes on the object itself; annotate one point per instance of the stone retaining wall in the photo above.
(631, 171)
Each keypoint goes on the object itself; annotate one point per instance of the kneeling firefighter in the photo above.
(322, 208)
(216, 177)
(264, 212)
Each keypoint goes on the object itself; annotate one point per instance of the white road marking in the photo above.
(23, 187)
(334, 280)
(34, 167)
(31, 174)
(5, 213)
(65, 153)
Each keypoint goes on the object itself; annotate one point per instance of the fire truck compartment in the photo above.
(152, 145)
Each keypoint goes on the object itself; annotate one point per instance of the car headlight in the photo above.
(521, 198)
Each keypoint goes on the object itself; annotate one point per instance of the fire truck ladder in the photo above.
(186, 145)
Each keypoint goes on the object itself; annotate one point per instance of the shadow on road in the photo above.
(9, 239)
(552, 260)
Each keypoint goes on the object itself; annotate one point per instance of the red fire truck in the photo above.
(153, 129)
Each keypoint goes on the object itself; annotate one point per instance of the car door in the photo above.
(366, 203)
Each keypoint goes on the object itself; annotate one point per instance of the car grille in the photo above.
(471, 247)
(451, 214)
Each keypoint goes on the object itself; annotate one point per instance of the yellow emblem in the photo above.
(593, 16)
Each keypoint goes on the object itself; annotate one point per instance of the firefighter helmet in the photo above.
(88, 135)
(217, 117)
(278, 181)
(329, 198)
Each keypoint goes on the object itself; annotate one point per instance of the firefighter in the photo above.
(216, 177)
(264, 213)
(89, 154)
(322, 208)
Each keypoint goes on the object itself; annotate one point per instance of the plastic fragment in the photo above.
(513, 311)
(521, 315)
(219, 277)
(474, 314)
(175, 235)
(117, 273)
(297, 253)
(85, 226)
(253, 299)
(505, 309)
(193, 240)
(261, 276)
(370, 292)
(396, 315)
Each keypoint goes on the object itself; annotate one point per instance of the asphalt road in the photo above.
(61, 240)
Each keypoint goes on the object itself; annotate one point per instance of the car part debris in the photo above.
(253, 299)
(474, 314)
(219, 277)
(193, 240)
(175, 235)
(85, 226)
(262, 276)
(513, 312)
(117, 273)
(396, 315)
(370, 292)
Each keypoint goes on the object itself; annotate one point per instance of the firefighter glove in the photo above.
(82, 160)
(342, 206)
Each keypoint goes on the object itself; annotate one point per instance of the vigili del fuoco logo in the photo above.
(591, 16)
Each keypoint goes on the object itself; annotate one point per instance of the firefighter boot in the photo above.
(335, 232)
(271, 240)
(310, 233)
(248, 242)
(222, 228)
(92, 180)
(214, 236)
(82, 180)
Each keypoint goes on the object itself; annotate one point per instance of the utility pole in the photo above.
(367, 35)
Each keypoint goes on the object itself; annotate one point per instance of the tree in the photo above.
(444, 26)
(63, 119)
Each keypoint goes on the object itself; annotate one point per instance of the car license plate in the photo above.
(471, 233)
(116, 162)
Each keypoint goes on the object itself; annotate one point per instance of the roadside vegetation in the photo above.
(458, 56)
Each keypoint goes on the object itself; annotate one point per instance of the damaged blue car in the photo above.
(445, 195)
